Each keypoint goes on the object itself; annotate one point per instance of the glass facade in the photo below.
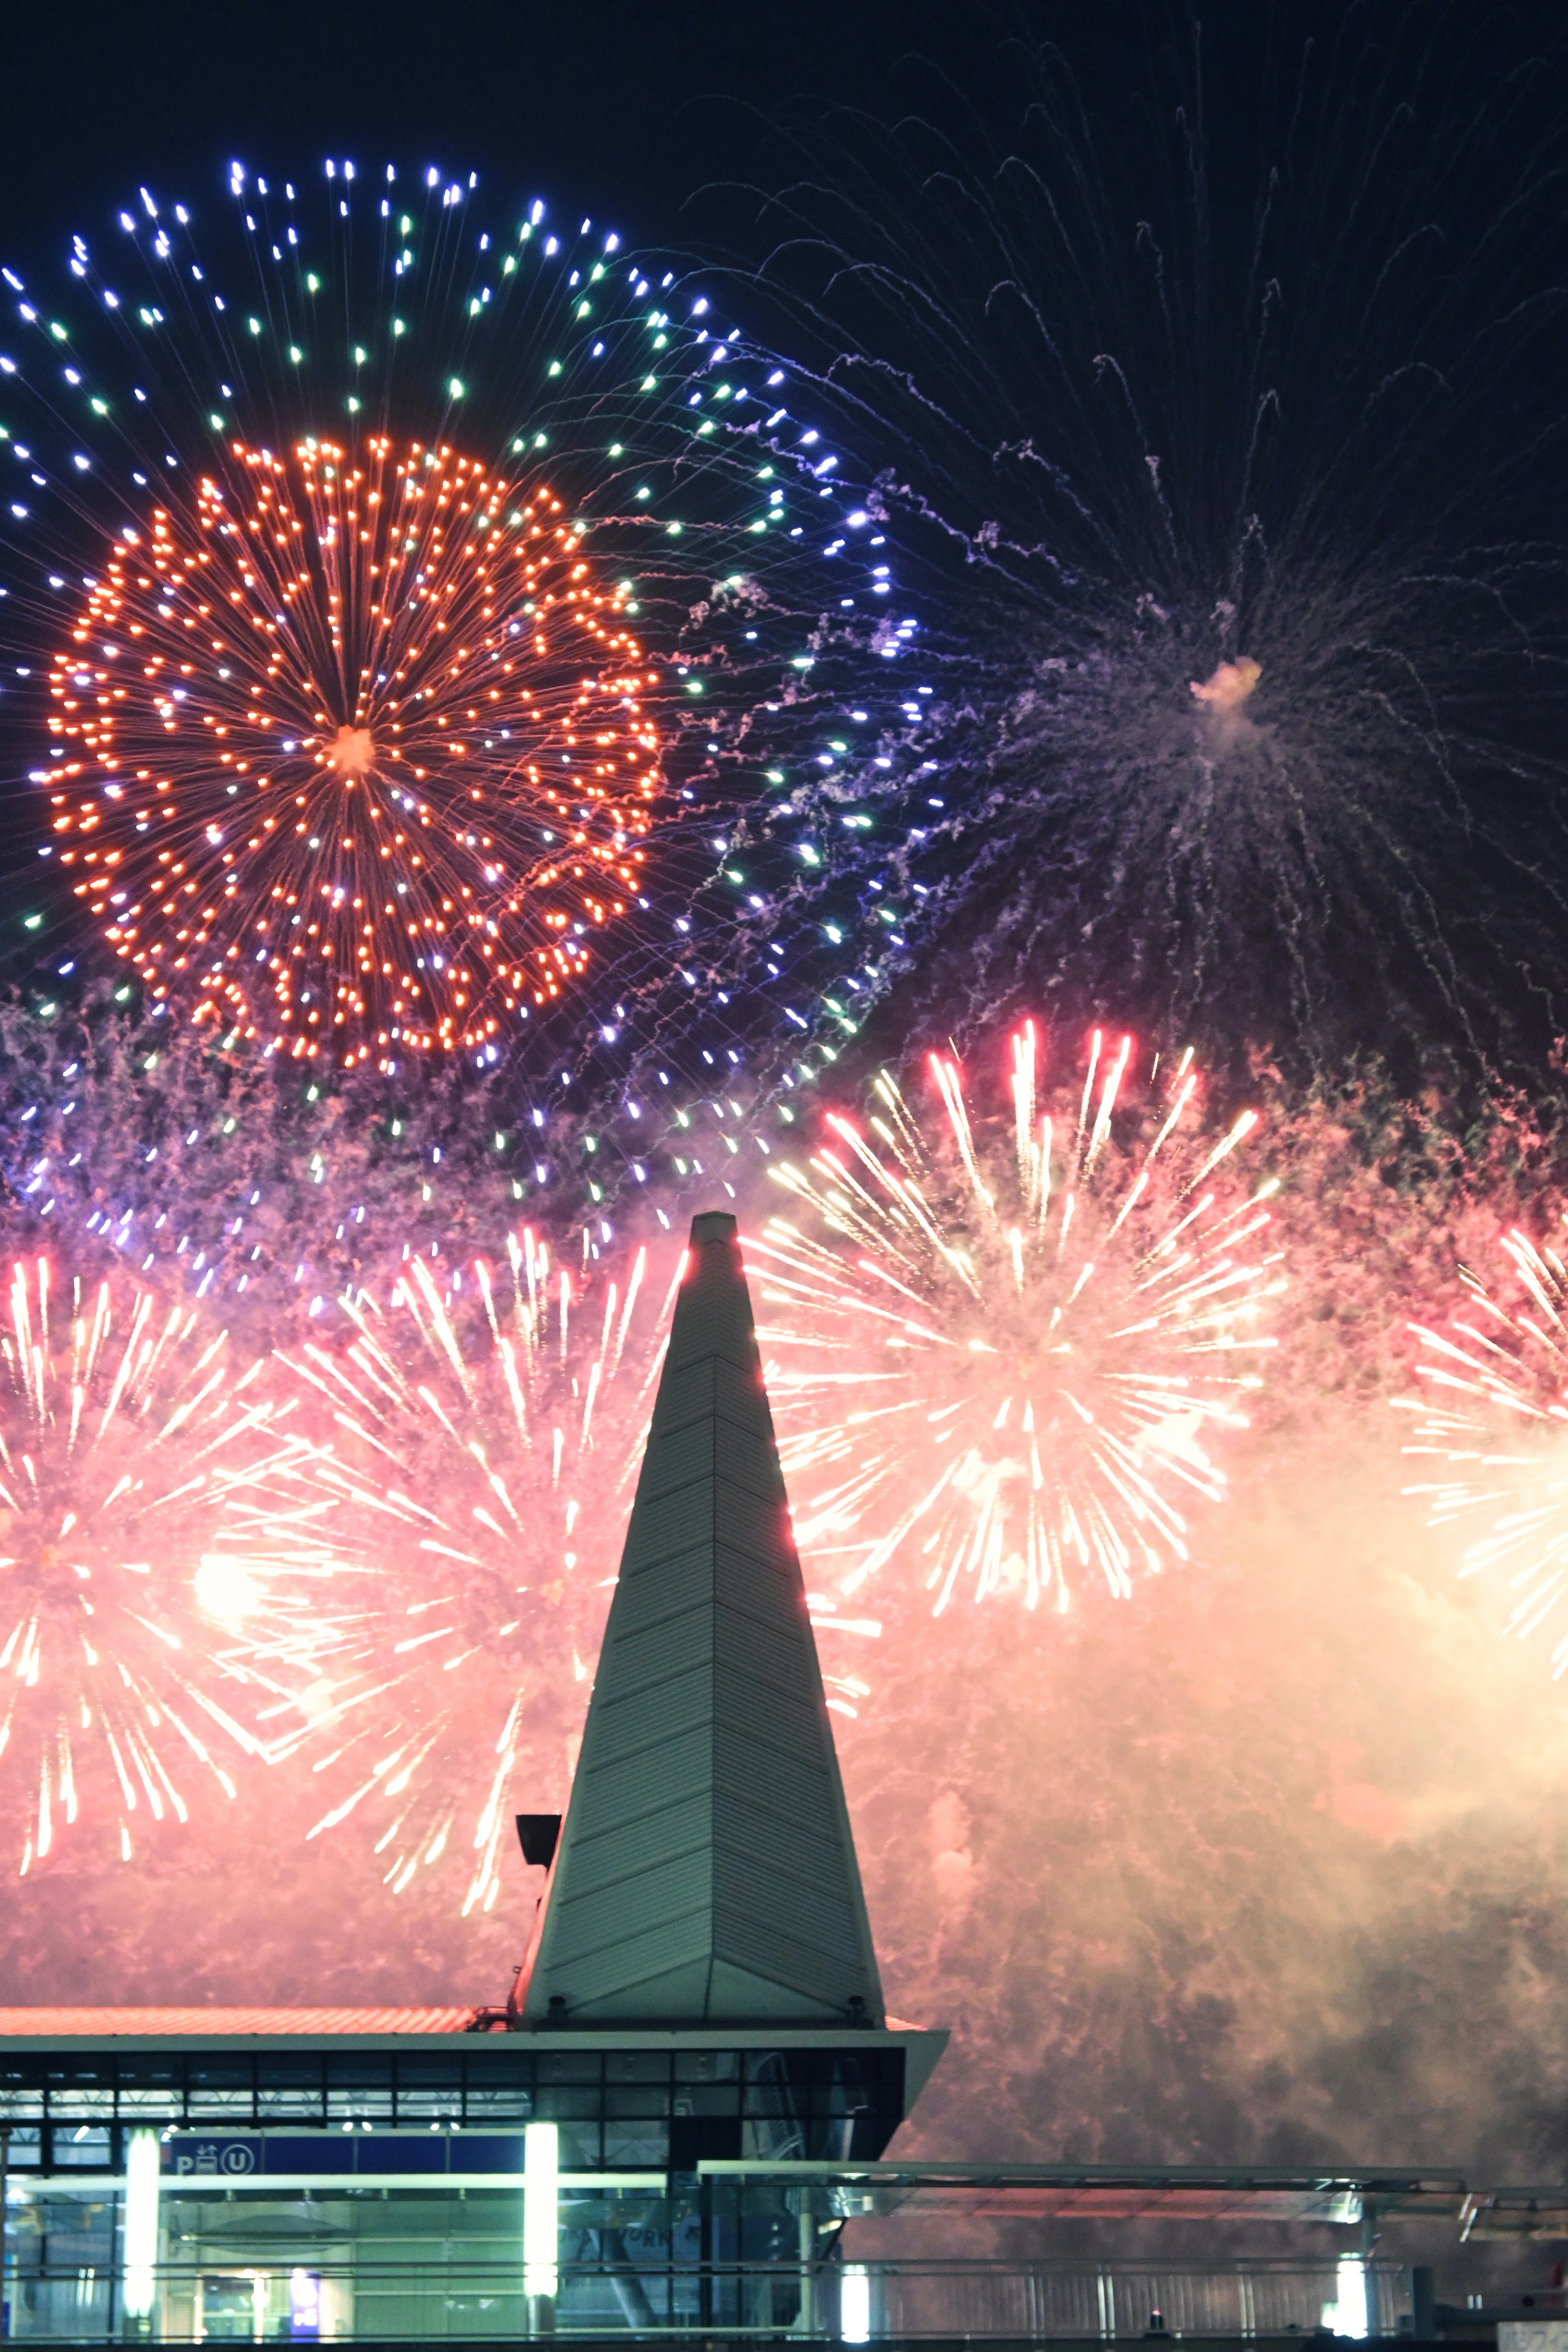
(662, 2109)
(254, 2262)
(492, 2186)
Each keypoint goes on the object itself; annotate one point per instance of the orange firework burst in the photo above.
(1004, 1366)
(148, 1502)
(359, 757)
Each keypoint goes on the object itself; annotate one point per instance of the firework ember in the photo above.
(1494, 1414)
(149, 1501)
(1001, 1366)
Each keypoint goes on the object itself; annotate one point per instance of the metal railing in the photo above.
(302, 2292)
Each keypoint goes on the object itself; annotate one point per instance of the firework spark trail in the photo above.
(1495, 1415)
(152, 1497)
(1036, 1346)
(1239, 565)
(421, 604)
(481, 1436)
(396, 812)
(221, 1174)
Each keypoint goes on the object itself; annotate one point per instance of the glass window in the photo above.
(561, 2066)
(359, 2090)
(649, 2099)
(838, 2099)
(500, 2090)
(229, 2307)
(637, 2066)
(222, 2092)
(567, 2104)
(151, 2106)
(699, 2099)
(146, 2073)
(73, 2105)
(286, 2106)
(221, 2107)
(359, 2073)
(417, 2106)
(429, 2074)
(289, 2090)
(89, 2144)
(359, 2106)
(706, 2065)
(636, 2146)
(279, 2073)
(498, 2107)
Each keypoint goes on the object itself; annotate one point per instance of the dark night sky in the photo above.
(621, 108)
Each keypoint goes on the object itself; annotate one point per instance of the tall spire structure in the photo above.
(706, 1874)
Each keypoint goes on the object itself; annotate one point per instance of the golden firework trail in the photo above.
(1001, 1350)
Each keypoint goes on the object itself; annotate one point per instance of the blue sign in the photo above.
(223, 2160)
(190, 2157)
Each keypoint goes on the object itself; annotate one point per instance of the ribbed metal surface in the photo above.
(74, 2024)
(706, 1872)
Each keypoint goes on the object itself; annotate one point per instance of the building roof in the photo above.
(706, 1874)
(203, 2024)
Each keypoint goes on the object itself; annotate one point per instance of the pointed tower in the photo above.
(705, 1874)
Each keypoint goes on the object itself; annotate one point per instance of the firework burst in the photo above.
(395, 812)
(414, 602)
(1234, 529)
(1002, 1366)
(479, 1434)
(1494, 1414)
(149, 1500)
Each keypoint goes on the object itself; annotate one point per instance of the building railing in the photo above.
(383, 2295)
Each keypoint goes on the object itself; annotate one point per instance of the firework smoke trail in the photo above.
(480, 1435)
(415, 610)
(1236, 528)
(1494, 1413)
(152, 1498)
(1001, 1366)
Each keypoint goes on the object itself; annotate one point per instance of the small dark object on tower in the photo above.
(539, 1833)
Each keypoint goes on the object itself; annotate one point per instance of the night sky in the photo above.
(617, 110)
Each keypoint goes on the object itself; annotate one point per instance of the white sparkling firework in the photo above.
(480, 1436)
(149, 1501)
(1493, 1413)
(1001, 1365)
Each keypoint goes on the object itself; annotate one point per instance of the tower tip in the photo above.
(713, 1225)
